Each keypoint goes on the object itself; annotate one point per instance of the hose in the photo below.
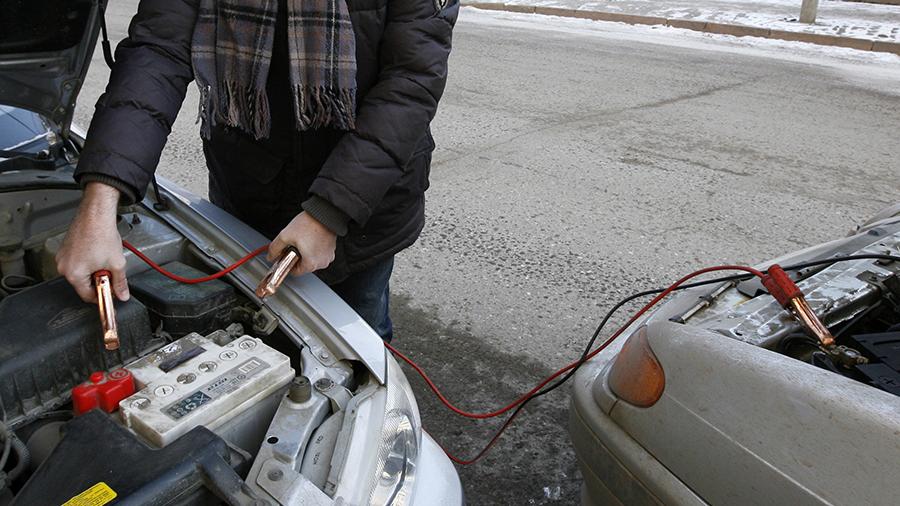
(23, 457)
(13, 283)
(7, 445)
(12, 444)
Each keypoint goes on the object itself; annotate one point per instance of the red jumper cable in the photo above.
(192, 281)
(775, 280)
(779, 284)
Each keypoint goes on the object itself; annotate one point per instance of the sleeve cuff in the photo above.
(127, 195)
(327, 214)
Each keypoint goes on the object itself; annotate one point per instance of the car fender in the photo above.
(743, 425)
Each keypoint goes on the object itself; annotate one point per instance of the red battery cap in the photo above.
(102, 391)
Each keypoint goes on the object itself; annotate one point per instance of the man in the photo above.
(315, 125)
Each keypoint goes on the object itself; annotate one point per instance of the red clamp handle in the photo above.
(780, 285)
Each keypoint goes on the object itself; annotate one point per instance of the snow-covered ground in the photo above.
(876, 71)
(836, 17)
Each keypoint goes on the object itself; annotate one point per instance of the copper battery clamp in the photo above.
(289, 259)
(789, 295)
(107, 311)
(801, 310)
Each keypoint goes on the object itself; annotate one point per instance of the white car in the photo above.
(720, 397)
(214, 396)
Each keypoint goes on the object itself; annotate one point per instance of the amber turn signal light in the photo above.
(636, 376)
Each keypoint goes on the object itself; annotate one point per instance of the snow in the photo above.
(868, 69)
(835, 17)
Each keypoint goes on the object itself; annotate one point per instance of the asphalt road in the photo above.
(580, 162)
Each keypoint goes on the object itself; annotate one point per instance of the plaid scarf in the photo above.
(232, 48)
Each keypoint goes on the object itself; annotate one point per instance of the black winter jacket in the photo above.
(369, 182)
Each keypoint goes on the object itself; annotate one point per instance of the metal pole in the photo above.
(808, 10)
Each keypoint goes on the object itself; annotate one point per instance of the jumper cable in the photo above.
(774, 279)
(192, 281)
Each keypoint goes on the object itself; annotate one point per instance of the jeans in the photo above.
(367, 292)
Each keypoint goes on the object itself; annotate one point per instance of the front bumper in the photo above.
(436, 479)
(616, 469)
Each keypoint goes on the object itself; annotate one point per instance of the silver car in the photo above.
(719, 397)
(213, 396)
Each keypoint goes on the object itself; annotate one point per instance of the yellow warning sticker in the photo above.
(98, 495)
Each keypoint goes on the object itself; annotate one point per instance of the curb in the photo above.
(882, 2)
(699, 26)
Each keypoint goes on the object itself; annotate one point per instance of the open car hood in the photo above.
(45, 49)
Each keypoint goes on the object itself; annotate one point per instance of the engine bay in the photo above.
(858, 300)
(868, 345)
(201, 393)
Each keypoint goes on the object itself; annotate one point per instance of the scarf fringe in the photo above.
(229, 37)
(246, 108)
(322, 106)
(237, 106)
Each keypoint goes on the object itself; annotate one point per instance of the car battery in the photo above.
(197, 381)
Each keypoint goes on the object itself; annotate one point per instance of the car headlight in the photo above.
(398, 446)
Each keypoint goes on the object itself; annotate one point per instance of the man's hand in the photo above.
(314, 241)
(93, 243)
